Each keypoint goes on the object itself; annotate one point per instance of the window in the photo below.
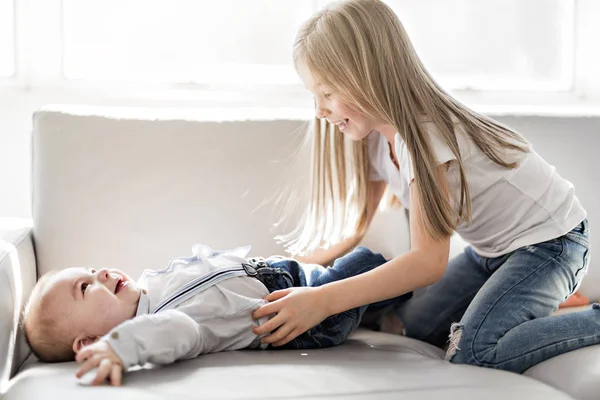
(7, 38)
(229, 41)
(486, 52)
(466, 44)
(493, 44)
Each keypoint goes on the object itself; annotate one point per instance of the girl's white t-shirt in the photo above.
(510, 208)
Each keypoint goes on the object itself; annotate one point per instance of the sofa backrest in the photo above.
(133, 188)
(126, 189)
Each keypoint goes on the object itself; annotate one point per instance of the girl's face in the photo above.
(328, 105)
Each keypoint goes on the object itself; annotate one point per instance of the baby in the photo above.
(197, 305)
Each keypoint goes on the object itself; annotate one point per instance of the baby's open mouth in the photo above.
(120, 285)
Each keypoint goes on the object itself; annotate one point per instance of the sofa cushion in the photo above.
(370, 365)
(576, 372)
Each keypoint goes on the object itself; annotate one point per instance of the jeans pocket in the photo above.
(579, 260)
(581, 272)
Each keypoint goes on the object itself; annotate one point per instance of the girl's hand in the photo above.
(100, 355)
(298, 310)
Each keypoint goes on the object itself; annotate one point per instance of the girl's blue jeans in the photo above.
(498, 310)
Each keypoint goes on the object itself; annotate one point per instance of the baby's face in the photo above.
(94, 300)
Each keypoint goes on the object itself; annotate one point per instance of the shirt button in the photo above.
(114, 335)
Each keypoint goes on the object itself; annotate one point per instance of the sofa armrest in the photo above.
(17, 277)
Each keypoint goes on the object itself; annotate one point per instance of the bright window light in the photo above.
(466, 44)
(224, 42)
(493, 44)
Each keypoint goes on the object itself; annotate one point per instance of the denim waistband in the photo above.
(582, 227)
(579, 234)
(272, 278)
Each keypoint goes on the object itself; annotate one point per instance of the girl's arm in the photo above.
(422, 266)
(327, 256)
(300, 309)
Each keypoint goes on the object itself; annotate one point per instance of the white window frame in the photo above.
(40, 69)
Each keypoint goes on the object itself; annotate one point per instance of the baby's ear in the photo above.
(82, 341)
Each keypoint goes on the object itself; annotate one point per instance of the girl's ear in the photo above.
(82, 341)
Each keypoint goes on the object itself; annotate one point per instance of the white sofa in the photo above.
(132, 188)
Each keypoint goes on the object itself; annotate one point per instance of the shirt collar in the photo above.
(143, 304)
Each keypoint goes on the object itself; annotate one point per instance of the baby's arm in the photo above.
(160, 338)
(155, 338)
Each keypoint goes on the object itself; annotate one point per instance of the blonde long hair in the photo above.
(360, 49)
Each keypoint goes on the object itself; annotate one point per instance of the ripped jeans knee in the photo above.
(461, 348)
(454, 340)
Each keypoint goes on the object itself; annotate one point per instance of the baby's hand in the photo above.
(100, 355)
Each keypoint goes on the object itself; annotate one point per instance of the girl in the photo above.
(456, 170)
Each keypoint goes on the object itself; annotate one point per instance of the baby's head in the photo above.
(74, 307)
